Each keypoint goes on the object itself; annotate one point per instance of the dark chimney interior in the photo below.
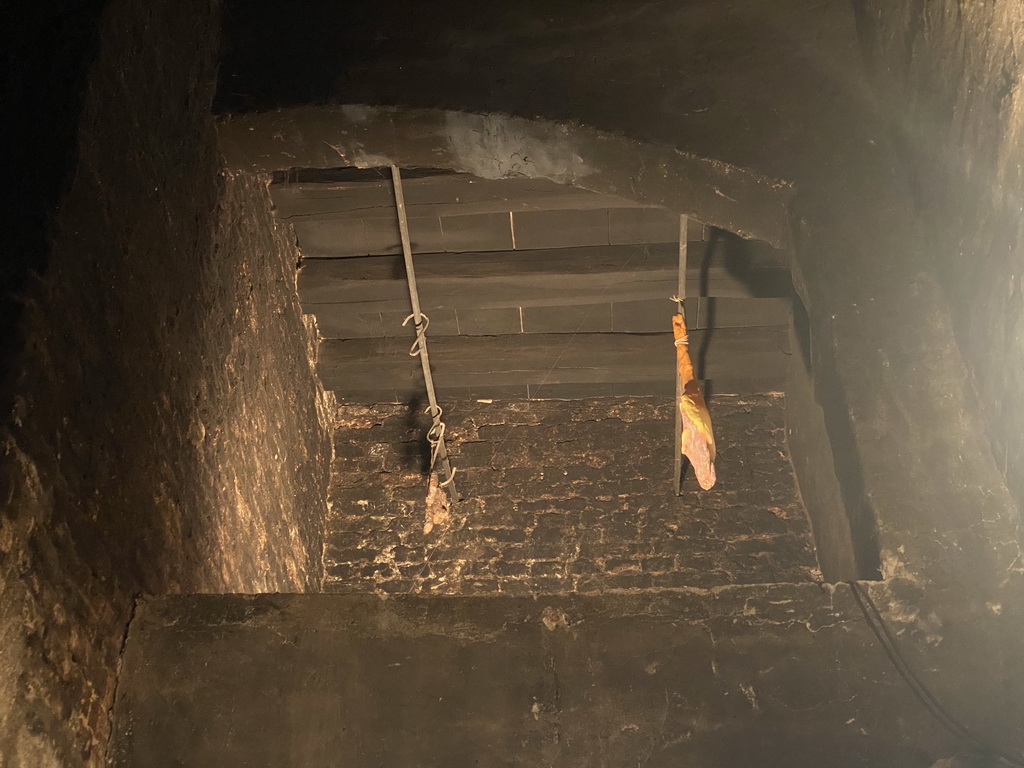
(214, 546)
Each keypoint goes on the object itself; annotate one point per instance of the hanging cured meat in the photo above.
(698, 439)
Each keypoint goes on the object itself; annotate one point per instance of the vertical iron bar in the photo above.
(681, 294)
(414, 298)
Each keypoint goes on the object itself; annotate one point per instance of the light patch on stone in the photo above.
(497, 146)
(893, 567)
(930, 626)
(370, 160)
(552, 618)
(359, 113)
(33, 749)
(900, 612)
(196, 433)
(751, 694)
(437, 511)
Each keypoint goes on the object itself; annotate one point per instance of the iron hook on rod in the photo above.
(439, 452)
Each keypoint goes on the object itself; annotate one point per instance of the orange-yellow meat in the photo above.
(698, 440)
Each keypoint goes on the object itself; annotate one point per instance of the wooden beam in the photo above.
(365, 370)
(329, 238)
(563, 277)
(441, 195)
(536, 230)
(354, 321)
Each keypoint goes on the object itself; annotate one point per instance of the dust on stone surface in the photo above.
(565, 496)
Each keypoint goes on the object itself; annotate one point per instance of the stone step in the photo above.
(755, 676)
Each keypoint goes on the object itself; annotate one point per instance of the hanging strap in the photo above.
(435, 435)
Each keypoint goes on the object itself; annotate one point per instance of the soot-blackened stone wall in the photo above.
(757, 676)
(167, 432)
(952, 77)
(564, 496)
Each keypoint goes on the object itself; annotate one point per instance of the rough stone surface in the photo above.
(756, 676)
(167, 433)
(563, 496)
(495, 146)
(952, 75)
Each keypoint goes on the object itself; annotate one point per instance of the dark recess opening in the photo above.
(529, 285)
(48, 49)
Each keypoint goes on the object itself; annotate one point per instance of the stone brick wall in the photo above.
(564, 496)
(167, 432)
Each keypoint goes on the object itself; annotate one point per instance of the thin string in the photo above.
(685, 341)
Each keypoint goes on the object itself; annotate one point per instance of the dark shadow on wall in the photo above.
(263, 67)
(740, 259)
(700, 368)
(820, 369)
(48, 49)
(848, 547)
(414, 449)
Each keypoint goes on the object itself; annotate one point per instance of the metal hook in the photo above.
(421, 329)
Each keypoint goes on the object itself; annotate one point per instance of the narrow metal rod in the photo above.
(417, 316)
(680, 294)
